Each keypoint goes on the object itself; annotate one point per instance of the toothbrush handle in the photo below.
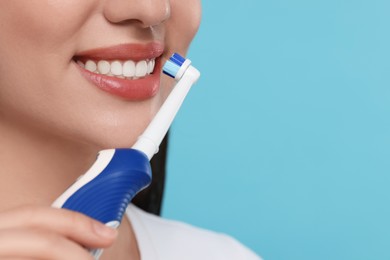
(104, 192)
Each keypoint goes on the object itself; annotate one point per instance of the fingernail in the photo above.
(104, 231)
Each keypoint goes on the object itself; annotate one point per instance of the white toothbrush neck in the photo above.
(153, 135)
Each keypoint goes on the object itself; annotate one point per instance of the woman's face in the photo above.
(55, 53)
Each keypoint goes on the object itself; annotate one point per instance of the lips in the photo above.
(120, 70)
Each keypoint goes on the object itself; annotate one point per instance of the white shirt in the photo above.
(161, 239)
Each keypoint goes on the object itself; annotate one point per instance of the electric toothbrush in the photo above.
(106, 189)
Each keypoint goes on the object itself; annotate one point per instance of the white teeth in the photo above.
(90, 65)
(120, 69)
(129, 69)
(150, 66)
(116, 68)
(104, 67)
(141, 68)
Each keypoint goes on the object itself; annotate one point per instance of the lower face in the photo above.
(46, 85)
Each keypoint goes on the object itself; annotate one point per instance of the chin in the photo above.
(103, 142)
(121, 135)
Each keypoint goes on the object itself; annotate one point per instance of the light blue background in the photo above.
(285, 141)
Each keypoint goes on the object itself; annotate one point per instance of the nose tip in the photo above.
(146, 12)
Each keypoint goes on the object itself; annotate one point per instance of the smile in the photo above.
(121, 69)
(129, 71)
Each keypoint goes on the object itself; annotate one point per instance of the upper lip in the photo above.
(127, 51)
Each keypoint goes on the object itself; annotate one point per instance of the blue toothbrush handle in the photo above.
(106, 197)
(104, 192)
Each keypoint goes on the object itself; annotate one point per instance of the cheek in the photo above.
(183, 24)
(42, 23)
(37, 42)
(37, 38)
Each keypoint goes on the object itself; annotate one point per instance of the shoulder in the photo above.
(177, 240)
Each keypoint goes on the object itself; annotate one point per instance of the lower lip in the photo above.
(129, 89)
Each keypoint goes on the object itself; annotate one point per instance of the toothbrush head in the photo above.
(176, 66)
(186, 75)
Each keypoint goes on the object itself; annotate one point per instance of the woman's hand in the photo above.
(47, 233)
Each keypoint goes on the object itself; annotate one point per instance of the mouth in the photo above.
(129, 71)
(123, 69)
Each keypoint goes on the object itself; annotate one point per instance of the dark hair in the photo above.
(151, 198)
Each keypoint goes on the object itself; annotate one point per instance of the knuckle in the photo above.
(78, 220)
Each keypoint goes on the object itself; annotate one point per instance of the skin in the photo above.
(53, 122)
